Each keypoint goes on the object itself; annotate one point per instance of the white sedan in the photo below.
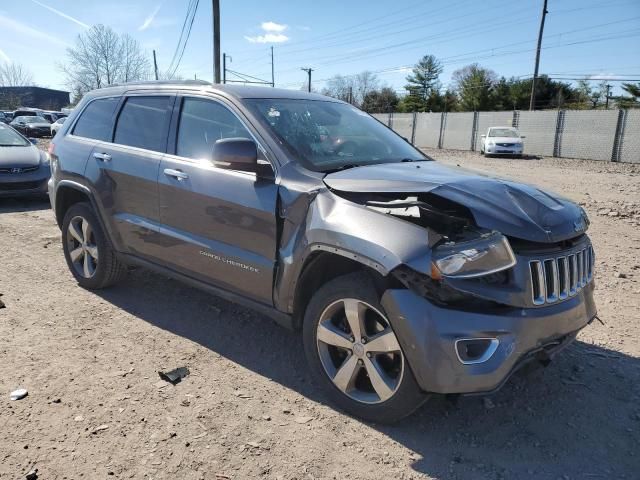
(501, 141)
(55, 126)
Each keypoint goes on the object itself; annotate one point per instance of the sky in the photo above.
(599, 39)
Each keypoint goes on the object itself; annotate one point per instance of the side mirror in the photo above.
(34, 141)
(239, 153)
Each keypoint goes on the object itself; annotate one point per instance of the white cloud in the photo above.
(268, 38)
(273, 27)
(272, 33)
(149, 20)
(63, 15)
(19, 27)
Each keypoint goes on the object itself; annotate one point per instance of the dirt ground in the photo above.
(97, 409)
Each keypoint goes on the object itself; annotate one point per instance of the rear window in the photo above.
(143, 123)
(95, 120)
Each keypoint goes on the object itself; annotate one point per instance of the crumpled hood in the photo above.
(515, 209)
(19, 156)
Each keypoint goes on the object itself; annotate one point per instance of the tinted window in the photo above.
(95, 121)
(202, 123)
(143, 123)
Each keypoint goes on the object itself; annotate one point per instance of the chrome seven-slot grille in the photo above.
(556, 279)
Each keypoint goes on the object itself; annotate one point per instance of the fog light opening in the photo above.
(471, 351)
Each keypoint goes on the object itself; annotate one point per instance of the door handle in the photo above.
(179, 174)
(105, 157)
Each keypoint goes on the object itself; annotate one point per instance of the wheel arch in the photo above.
(67, 194)
(322, 266)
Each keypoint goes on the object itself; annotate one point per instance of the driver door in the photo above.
(217, 225)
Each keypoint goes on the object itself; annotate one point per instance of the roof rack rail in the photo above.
(161, 82)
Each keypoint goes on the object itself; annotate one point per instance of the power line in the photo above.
(184, 26)
(184, 45)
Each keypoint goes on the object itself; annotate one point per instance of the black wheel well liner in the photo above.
(66, 196)
(321, 267)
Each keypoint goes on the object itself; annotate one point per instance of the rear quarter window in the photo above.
(143, 123)
(95, 120)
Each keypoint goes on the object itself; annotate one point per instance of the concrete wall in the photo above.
(630, 142)
(382, 117)
(402, 124)
(588, 134)
(427, 130)
(606, 135)
(457, 130)
(540, 130)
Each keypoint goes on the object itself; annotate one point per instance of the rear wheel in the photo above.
(354, 352)
(89, 255)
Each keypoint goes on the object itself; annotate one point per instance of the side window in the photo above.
(143, 123)
(95, 120)
(202, 123)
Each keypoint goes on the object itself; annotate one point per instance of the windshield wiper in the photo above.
(343, 167)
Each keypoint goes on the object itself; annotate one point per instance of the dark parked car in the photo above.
(24, 168)
(32, 126)
(406, 277)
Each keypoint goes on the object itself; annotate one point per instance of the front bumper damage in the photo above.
(428, 334)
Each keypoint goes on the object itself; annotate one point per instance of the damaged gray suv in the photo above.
(406, 277)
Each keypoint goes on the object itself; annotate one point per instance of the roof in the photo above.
(236, 91)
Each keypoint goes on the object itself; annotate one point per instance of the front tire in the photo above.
(89, 254)
(353, 352)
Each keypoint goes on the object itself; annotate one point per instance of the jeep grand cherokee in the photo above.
(405, 276)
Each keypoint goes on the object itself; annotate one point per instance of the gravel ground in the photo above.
(97, 409)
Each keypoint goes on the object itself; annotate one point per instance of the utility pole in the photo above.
(607, 99)
(216, 40)
(155, 64)
(532, 104)
(308, 70)
(273, 77)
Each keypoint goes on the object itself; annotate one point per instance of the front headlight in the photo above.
(45, 159)
(491, 143)
(488, 254)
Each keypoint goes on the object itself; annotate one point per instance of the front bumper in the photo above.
(498, 150)
(428, 333)
(25, 184)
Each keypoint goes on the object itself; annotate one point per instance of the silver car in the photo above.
(24, 168)
(502, 141)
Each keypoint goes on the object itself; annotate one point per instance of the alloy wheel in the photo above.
(359, 351)
(82, 247)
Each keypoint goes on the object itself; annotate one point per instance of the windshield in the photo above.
(328, 136)
(503, 132)
(30, 119)
(9, 138)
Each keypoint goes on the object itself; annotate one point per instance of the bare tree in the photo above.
(135, 64)
(363, 83)
(14, 75)
(352, 88)
(101, 57)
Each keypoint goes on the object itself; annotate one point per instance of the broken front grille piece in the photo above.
(559, 278)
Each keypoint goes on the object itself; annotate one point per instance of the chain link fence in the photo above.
(606, 135)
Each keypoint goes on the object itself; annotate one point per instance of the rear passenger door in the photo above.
(218, 225)
(124, 172)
